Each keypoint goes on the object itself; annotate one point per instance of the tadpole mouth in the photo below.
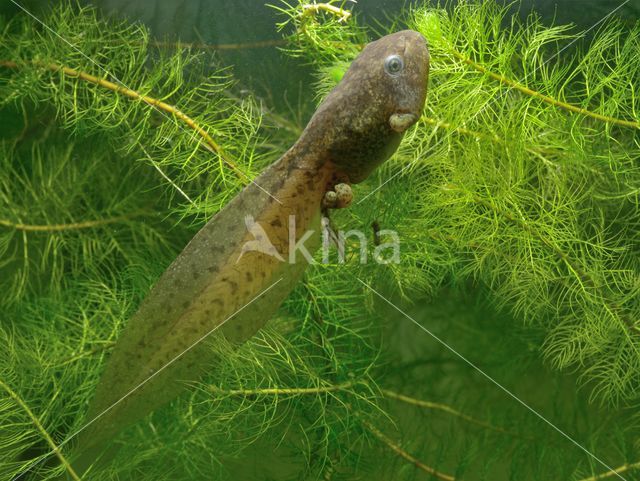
(402, 121)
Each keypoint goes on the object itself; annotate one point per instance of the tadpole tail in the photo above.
(225, 282)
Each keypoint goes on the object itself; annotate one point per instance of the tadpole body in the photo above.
(218, 286)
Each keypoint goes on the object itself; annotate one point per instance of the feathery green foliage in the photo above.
(518, 222)
(521, 194)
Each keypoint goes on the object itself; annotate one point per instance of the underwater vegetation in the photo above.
(504, 344)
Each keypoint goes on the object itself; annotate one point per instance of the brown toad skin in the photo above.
(347, 137)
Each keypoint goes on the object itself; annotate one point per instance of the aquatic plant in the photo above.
(515, 199)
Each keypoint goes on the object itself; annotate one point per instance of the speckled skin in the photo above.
(348, 136)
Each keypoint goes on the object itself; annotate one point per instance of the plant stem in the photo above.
(545, 98)
(613, 472)
(313, 8)
(403, 454)
(62, 227)
(160, 105)
(222, 46)
(282, 391)
(461, 130)
(90, 352)
(481, 135)
(42, 430)
(448, 409)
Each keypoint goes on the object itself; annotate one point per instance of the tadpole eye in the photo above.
(393, 64)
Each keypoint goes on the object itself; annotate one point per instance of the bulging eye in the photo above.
(393, 64)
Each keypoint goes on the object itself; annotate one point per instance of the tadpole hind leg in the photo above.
(340, 197)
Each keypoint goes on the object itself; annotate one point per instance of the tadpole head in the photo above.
(406, 75)
(390, 77)
(381, 95)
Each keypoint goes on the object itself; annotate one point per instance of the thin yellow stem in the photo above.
(461, 130)
(90, 352)
(403, 454)
(160, 105)
(42, 430)
(222, 46)
(481, 135)
(545, 98)
(62, 227)
(282, 391)
(443, 407)
(313, 8)
(614, 472)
